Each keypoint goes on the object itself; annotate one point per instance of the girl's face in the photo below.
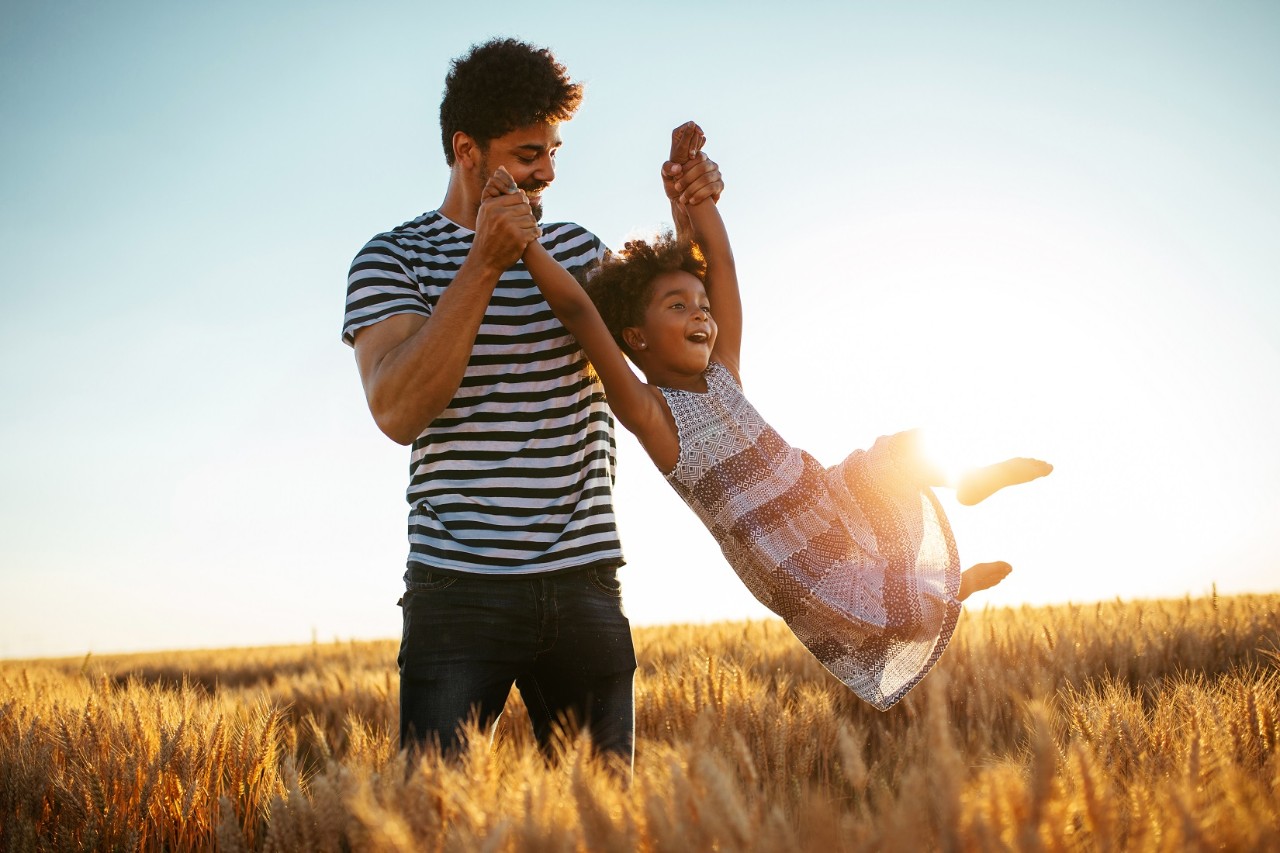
(678, 334)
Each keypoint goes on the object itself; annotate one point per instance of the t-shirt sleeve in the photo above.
(574, 248)
(599, 251)
(380, 285)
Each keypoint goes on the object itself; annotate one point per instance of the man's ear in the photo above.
(466, 151)
(634, 338)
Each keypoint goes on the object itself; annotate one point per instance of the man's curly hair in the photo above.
(622, 285)
(501, 85)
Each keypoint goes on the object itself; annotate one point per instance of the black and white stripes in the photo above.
(515, 476)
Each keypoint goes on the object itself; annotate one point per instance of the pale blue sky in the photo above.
(1045, 231)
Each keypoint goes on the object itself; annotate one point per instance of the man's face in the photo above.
(529, 153)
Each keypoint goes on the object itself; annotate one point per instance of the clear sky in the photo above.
(1034, 229)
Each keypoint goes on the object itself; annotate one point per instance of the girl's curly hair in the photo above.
(622, 285)
(501, 85)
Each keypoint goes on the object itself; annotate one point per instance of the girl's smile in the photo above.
(674, 344)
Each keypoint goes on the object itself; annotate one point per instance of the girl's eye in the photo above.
(679, 306)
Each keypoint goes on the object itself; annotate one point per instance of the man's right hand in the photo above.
(505, 223)
(412, 366)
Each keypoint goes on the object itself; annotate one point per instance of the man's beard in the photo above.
(535, 205)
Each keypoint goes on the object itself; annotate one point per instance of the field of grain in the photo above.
(1118, 726)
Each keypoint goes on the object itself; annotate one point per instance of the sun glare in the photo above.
(947, 451)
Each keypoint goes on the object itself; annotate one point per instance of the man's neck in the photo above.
(458, 204)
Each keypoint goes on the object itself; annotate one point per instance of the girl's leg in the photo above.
(982, 576)
(915, 463)
(981, 483)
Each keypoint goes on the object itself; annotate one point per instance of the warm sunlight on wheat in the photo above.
(1137, 726)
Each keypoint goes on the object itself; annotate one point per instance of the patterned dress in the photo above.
(858, 559)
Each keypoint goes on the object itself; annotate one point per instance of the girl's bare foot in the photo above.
(981, 483)
(982, 576)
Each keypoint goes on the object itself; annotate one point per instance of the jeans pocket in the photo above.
(429, 582)
(606, 580)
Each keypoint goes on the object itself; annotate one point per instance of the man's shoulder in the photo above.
(570, 243)
(564, 230)
(429, 229)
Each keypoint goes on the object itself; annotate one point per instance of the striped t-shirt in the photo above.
(515, 475)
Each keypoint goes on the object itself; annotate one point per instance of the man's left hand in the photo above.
(690, 177)
(695, 181)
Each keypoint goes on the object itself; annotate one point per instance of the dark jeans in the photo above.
(562, 639)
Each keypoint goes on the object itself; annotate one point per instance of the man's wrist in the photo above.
(683, 221)
(482, 268)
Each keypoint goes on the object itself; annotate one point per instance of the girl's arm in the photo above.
(638, 405)
(632, 400)
(713, 239)
(722, 283)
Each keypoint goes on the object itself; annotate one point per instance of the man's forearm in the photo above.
(684, 226)
(410, 382)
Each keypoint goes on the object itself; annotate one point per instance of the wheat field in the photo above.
(1145, 725)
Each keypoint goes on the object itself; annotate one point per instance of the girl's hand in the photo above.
(500, 183)
(686, 140)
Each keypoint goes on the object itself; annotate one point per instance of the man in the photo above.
(513, 551)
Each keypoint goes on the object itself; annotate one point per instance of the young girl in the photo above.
(858, 559)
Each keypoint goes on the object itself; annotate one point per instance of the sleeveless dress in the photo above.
(858, 559)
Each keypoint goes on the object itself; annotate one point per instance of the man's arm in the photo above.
(411, 366)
